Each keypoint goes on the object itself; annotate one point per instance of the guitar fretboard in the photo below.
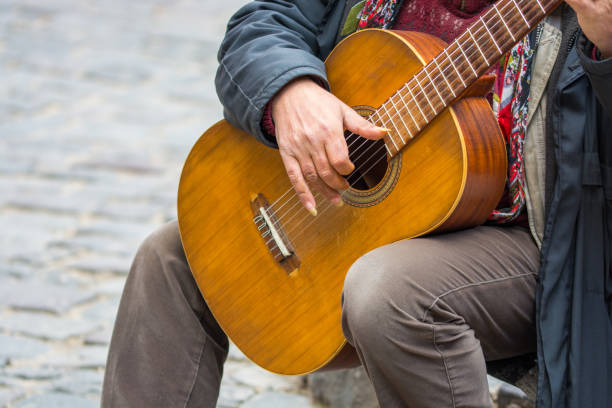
(459, 65)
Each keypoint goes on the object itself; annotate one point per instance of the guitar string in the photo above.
(445, 70)
(472, 52)
(370, 168)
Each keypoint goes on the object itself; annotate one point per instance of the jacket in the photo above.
(270, 43)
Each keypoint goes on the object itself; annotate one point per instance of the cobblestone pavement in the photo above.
(99, 103)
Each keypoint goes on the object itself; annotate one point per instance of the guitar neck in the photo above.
(459, 65)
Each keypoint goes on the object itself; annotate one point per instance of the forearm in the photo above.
(267, 45)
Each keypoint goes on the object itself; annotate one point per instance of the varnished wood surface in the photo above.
(289, 323)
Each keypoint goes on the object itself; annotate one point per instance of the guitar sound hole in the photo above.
(370, 160)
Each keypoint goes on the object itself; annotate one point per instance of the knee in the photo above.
(378, 297)
(391, 288)
(157, 258)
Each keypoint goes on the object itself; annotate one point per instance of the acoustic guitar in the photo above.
(271, 273)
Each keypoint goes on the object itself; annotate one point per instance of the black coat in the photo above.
(269, 43)
(574, 294)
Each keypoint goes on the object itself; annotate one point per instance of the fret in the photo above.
(403, 123)
(503, 21)
(389, 133)
(478, 46)
(456, 70)
(425, 94)
(540, 4)
(388, 150)
(466, 58)
(408, 109)
(491, 35)
(392, 123)
(434, 86)
(521, 13)
(444, 76)
(417, 105)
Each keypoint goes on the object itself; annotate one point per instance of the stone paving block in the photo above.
(32, 373)
(85, 357)
(235, 353)
(101, 337)
(8, 395)
(260, 379)
(80, 382)
(58, 203)
(232, 396)
(124, 229)
(129, 210)
(278, 400)
(44, 326)
(104, 264)
(16, 271)
(100, 244)
(33, 295)
(129, 163)
(112, 287)
(102, 310)
(56, 400)
(14, 347)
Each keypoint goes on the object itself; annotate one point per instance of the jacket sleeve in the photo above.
(599, 73)
(268, 44)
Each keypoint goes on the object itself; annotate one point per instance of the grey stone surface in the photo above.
(102, 264)
(101, 102)
(15, 347)
(32, 372)
(278, 400)
(343, 388)
(8, 395)
(232, 396)
(101, 337)
(56, 400)
(46, 327)
(84, 357)
(260, 379)
(35, 295)
(81, 382)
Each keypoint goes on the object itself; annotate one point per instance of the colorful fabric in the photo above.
(511, 104)
(376, 13)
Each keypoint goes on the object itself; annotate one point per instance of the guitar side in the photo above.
(288, 322)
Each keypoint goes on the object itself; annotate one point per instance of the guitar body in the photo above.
(285, 316)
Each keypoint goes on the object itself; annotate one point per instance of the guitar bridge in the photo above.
(271, 231)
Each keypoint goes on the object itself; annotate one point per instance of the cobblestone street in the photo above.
(100, 102)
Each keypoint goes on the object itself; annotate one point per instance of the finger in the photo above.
(327, 173)
(327, 192)
(294, 172)
(356, 124)
(338, 155)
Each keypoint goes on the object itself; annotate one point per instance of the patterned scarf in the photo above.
(510, 99)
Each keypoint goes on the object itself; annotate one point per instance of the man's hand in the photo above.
(309, 124)
(595, 19)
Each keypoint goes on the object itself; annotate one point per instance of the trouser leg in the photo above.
(167, 350)
(424, 314)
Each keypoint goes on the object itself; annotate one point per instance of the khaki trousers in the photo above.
(424, 315)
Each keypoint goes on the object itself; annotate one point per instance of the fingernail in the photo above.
(383, 129)
(339, 203)
(311, 209)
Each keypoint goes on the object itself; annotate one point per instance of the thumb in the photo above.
(358, 125)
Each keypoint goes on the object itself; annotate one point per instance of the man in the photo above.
(423, 314)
